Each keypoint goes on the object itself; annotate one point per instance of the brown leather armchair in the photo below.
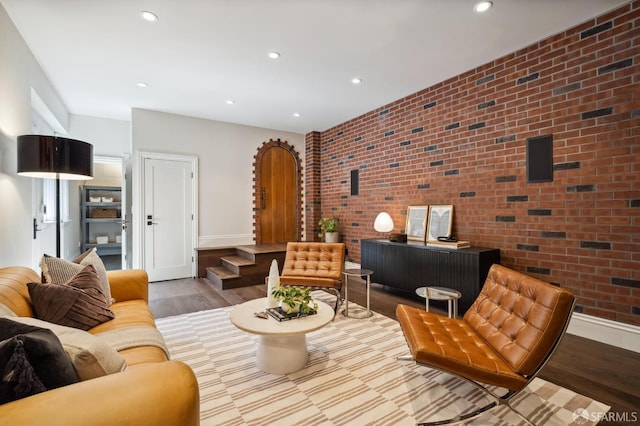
(316, 265)
(504, 339)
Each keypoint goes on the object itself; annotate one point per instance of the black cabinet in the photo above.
(407, 266)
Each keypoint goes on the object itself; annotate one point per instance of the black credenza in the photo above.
(407, 266)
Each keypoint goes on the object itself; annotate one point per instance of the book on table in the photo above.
(449, 244)
(281, 315)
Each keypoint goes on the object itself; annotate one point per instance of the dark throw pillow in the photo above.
(32, 360)
(78, 303)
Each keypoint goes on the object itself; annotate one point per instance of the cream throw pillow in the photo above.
(91, 357)
(59, 271)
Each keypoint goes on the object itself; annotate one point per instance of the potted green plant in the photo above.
(295, 299)
(329, 228)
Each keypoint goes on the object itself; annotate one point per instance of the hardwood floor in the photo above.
(602, 372)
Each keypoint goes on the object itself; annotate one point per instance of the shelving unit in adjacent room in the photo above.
(101, 221)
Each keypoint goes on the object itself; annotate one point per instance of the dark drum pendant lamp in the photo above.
(53, 157)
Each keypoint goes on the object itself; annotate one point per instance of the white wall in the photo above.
(110, 138)
(19, 74)
(225, 153)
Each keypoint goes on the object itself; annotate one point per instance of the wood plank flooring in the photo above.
(602, 372)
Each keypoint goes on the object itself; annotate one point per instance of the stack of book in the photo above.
(451, 245)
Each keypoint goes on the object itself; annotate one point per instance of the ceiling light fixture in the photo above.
(356, 80)
(274, 55)
(142, 84)
(296, 114)
(230, 102)
(482, 6)
(149, 16)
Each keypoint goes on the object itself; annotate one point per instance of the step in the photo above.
(239, 266)
(221, 273)
(225, 279)
(262, 251)
(235, 263)
(222, 277)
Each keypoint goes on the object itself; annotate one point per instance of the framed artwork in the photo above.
(416, 222)
(440, 222)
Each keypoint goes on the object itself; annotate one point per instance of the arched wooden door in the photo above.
(278, 194)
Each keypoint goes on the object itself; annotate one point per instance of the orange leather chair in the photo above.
(316, 265)
(504, 339)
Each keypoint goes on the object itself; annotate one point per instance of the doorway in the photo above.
(278, 196)
(112, 172)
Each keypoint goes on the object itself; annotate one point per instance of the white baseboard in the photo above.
(621, 335)
(225, 240)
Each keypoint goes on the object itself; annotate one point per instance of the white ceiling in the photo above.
(202, 52)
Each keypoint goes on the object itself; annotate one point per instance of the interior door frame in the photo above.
(126, 208)
(138, 204)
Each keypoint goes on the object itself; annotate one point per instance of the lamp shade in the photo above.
(52, 157)
(383, 222)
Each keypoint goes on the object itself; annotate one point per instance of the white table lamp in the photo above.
(383, 222)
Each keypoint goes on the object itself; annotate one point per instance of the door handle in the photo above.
(150, 220)
(151, 223)
(263, 198)
(35, 228)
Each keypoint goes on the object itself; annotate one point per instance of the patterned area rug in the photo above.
(352, 378)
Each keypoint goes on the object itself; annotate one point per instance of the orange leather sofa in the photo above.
(504, 339)
(150, 391)
(316, 265)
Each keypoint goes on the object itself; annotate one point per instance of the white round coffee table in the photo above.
(282, 347)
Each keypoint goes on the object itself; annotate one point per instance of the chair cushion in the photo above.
(306, 281)
(521, 317)
(322, 261)
(452, 345)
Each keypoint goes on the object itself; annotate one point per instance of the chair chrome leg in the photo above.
(461, 417)
(518, 413)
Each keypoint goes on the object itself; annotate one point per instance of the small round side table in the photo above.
(357, 273)
(441, 293)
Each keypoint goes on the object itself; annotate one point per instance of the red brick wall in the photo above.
(312, 185)
(463, 142)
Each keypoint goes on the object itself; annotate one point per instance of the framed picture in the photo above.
(440, 222)
(416, 222)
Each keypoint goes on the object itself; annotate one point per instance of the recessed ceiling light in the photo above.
(230, 102)
(149, 16)
(482, 6)
(142, 84)
(274, 55)
(296, 114)
(356, 80)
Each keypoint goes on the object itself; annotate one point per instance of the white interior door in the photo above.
(168, 218)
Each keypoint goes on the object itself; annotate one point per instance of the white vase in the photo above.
(286, 308)
(273, 282)
(331, 237)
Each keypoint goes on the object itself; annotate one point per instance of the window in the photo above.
(49, 200)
